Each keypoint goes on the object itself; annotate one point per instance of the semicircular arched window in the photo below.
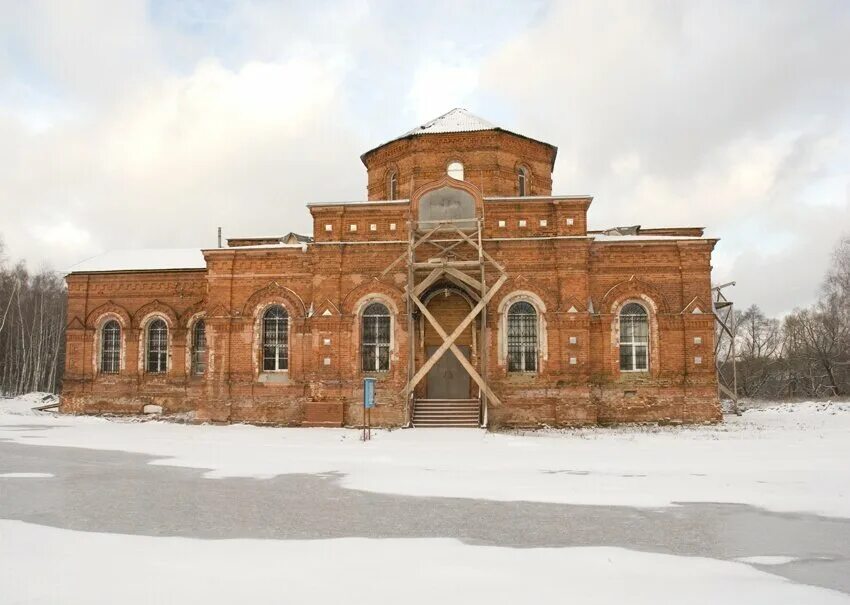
(392, 186)
(634, 338)
(275, 339)
(110, 347)
(522, 182)
(455, 170)
(156, 361)
(199, 347)
(375, 338)
(522, 337)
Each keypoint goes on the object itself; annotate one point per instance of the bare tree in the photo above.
(32, 329)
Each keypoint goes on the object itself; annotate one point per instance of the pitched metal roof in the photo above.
(457, 120)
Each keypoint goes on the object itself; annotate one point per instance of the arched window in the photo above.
(275, 339)
(634, 338)
(392, 186)
(199, 347)
(455, 170)
(522, 337)
(522, 182)
(375, 338)
(110, 347)
(157, 357)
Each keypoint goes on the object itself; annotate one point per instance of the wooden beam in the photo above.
(426, 283)
(469, 281)
(470, 369)
(411, 247)
(420, 374)
(447, 263)
(483, 251)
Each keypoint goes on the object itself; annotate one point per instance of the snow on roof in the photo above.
(601, 237)
(457, 120)
(142, 260)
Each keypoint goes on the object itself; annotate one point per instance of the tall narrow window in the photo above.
(275, 339)
(634, 338)
(455, 170)
(392, 187)
(375, 338)
(522, 338)
(522, 182)
(157, 353)
(199, 347)
(110, 347)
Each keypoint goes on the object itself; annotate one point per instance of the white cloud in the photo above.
(717, 115)
(152, 124)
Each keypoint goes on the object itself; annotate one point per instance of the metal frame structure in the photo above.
(724, 316)
(470, 275)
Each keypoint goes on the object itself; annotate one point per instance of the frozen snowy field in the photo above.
(757, 509)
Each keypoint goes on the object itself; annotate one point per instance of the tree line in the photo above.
(32, 329)
(805, 354)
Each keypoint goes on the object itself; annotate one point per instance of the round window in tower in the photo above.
(455, 170)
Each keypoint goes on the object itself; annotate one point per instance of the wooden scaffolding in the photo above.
(726, 364)
(449, 251)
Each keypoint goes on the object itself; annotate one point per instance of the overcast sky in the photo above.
(148, 124)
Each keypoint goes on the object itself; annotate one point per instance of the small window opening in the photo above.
(455, 170)
(199, 348)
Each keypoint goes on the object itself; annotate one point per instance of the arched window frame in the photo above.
(392, 185)
(455, 169)
(376, 337)
(523, 343)
(109, 345)
(523, 182)
(634, 337)
(198, 347)
(274, 339)
(542, 336)
(157, 349)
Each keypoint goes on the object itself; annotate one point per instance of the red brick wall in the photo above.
(577, 284)
(490, 160)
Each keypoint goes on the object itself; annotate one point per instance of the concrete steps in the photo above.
(446, 413)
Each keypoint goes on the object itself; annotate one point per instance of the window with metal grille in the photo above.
(157, 358)
(375, 338)
(634, 338)
(110, 347)
(199, 347)
(522, 181)
(392, 186)
(522, 337)
(275, 339)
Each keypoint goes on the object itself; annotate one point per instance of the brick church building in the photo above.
(471, 293)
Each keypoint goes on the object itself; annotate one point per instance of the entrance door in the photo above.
(447, 379)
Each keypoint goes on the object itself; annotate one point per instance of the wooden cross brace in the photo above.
(449, 340)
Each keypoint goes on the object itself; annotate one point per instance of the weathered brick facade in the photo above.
(576, 281)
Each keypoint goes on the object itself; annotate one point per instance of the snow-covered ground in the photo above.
(783, 457)
(45, 565)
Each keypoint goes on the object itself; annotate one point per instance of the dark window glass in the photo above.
(157, 358)
(375, 338)
(634, 338)
(275, 339)
(521, 182)
(522, 338)
(199, 347)
(110, 347)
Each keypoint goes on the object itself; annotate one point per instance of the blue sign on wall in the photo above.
(368, 392)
